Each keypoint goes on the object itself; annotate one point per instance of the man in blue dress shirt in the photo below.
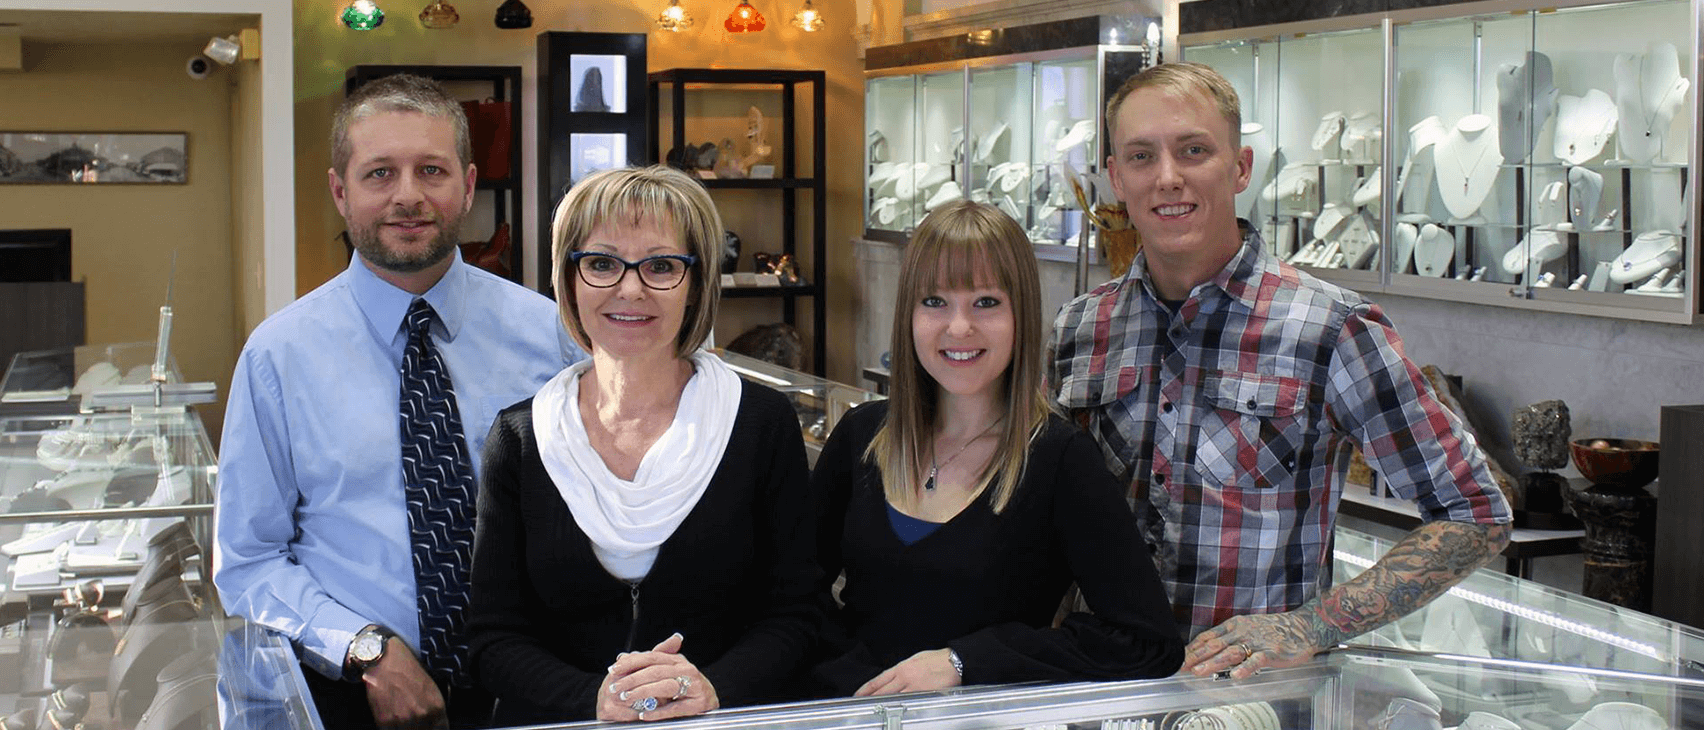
(313, 539)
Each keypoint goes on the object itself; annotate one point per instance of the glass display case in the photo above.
(1019, 129)
(1010, 133)
(54, 381)
(820, 403)
(1540, 157)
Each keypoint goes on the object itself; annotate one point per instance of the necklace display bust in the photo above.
(1648, 91)
(1325, 137)
(1583, 126)
(1585, 191)
(1414, 181)
(1256, 138)
(1522, 88)
(1652, 251)
(1403, 238)
(1433, 250)
(1465, 161)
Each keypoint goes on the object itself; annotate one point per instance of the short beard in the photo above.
(366, 242)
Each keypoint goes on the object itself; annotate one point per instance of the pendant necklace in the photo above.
(1467, 170)
(1651, 114)
(935, 467)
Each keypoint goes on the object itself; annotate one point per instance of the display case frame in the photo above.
(1522, 184)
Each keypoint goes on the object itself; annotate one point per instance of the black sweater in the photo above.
(735, 579)
(988, 585)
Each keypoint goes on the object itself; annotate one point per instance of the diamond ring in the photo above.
(644, 704)
(685, 685)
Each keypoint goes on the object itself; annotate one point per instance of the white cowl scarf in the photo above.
(628, 520)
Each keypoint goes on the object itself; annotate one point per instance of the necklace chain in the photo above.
(935, 466)
(1467, 170)
(1651, 114)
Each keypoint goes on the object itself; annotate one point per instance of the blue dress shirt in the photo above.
(311, 534)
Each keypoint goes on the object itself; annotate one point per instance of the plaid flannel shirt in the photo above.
(1232, 417)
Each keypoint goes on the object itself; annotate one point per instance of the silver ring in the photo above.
(685, 685)
(644, 704)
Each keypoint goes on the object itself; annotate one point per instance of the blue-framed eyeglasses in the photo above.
(661, 272)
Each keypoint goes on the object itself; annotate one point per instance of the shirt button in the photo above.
(1251, 404)
(1290, 463)
(1166, 406)
(1159, 478)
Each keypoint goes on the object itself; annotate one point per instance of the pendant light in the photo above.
(808, 19)
(744, 19)
(440, 15)
(674, 18)
(362, 15)
(513, 15)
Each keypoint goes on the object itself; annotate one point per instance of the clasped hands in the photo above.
(659, 684)
(1246, 644)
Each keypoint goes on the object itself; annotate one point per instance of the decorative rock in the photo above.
(1540, 433)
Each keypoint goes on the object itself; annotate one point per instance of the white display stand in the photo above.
(1465, 161)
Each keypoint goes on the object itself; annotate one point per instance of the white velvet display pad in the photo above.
(1538, 248)
(1583, 126)
(1649, 90)
(1465, 162)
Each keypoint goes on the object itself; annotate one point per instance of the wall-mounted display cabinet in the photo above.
(1493, 152)
(1009, 126)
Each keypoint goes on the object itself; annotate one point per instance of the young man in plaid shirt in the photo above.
(1226, 386)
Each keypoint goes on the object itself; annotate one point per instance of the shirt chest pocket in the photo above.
(1253, 429)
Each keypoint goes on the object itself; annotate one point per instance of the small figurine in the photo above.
(757, 141)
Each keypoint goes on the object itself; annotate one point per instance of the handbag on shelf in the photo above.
(489, 129)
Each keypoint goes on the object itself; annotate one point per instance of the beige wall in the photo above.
(123, 235)
(325, 50)
(247, 214)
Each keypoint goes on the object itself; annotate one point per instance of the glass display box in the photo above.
(54, 381)
(1539, 157)
(820, 403)
(1020, 131)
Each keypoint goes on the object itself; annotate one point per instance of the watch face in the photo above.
(368, 648)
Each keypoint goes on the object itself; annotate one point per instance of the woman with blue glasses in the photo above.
(644, 546)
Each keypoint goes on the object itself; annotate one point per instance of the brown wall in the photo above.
(325, 50)
(123, 236)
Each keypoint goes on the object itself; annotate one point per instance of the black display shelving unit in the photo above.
(789, 183)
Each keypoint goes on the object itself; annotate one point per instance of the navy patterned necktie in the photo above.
(437, 477)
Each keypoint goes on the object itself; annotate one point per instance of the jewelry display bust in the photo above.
(1414, 182)
(1403, 239)
(1433, 250)
(1539, 247)
(1651, 252)
(1465, 161)
(1520, 88)
(1585, 191)
(1326, 135)
(1583, 126)
(1362, 138)
(1648, 91)
(1294, 190)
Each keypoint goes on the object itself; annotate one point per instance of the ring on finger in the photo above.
(1247, 652)
(685, 686)
(644, 704)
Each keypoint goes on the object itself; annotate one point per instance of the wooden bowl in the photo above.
(1626, 463)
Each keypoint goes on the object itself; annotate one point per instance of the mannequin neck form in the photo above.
(1583, 126)
(1466, 162)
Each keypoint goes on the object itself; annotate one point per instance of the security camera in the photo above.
(198, 67)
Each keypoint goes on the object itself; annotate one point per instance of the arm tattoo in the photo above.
(1417, 569)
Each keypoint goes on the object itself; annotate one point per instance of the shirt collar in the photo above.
(385, 305)
(1236, 279)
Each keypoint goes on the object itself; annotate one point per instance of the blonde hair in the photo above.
(631, 196)
(1182, 78)
(954, 248)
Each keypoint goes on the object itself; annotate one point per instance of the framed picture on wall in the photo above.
(73, 158)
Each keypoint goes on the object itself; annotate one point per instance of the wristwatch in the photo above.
(958, 664)
(367, 648)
